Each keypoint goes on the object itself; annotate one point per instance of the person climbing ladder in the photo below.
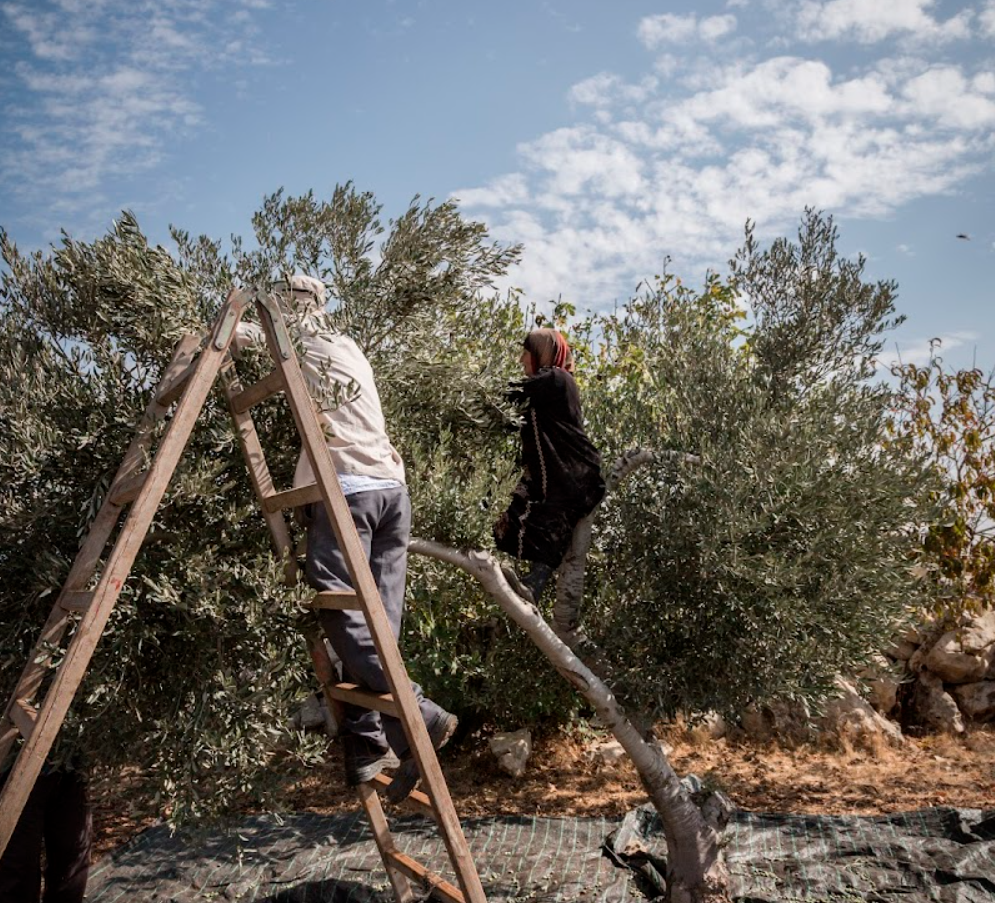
(371, 474)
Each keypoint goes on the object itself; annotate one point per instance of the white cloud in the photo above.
(869, 21)
(582, 159)
(945, 97)
(667, 28)
(102, 87)
(676, 166)
(986, 19)
(787, 88)
(503, 191)
(607, 89)
(715, 27)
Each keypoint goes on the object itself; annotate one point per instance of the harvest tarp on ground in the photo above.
(945, 855)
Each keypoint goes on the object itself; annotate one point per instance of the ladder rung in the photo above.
(377, 702)
(336, 600)
(78, 600)
(292, 498)
(127, 490)
(416, 801)
(414, 869)
(267, 387)
(170, 391)
(24, 715)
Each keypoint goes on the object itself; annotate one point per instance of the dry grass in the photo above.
(564, 778)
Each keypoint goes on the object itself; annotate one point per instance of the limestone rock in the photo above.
(608, 753)
(883, 692)
(784, 720)
(757, 724)
(717, 809)
(935, 706)
(917, 662)
(512, 750)
(964, 655)
(666, 749)
(713, 725)
(901, 650)
(882, 686)
(977, 700)
(849, 715)
(915, 634)
(314, 714)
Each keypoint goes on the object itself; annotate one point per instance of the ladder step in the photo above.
(172, 389)
(127, 490)
(78, 600)
(417, 801)
(24, 715)
(267, 387)
(336, 600)
(377, 702)
(414, 869)
(292, 498)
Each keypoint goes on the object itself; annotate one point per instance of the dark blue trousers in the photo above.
(383, 521)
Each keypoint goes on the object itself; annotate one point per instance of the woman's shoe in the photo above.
(536, 579)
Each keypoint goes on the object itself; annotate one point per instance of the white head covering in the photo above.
(307, 293)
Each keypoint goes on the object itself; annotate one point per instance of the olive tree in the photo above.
(201, 665)
(758, 537)
(761, 531)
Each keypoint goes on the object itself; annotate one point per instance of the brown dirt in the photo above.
(565, 779)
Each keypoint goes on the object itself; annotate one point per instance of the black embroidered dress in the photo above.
(562, 471)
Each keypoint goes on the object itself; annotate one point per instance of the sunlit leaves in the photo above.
(950, 414)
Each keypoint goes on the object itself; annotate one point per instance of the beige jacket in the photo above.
(340, 381)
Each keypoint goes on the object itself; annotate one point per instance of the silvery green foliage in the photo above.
(785, 555)
(780, 557)
(202, 662)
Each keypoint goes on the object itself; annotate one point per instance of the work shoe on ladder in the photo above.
(407, 776)
(364, 760)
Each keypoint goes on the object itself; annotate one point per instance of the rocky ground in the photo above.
(567, 776)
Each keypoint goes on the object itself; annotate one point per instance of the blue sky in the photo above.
(605, 136)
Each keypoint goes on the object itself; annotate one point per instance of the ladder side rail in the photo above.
(134, 457)
(316, 448)
(89, 553)
(403, 891)
(259, 475)
(70, 674)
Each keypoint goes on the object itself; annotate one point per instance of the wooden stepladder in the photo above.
(45, 691)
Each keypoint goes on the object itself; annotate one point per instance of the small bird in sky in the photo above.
(964, 236)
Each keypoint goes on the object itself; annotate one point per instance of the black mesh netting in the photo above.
(945, 855)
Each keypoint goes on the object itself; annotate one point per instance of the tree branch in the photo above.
(686, 828)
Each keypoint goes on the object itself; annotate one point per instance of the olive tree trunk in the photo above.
(695, 870)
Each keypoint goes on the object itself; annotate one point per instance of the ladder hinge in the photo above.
(226, 328)
(272, 308)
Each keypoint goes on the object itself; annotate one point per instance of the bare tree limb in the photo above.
(693, 843)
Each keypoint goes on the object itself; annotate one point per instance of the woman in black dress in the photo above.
(561, 481)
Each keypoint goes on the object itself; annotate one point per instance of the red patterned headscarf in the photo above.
(548, 349)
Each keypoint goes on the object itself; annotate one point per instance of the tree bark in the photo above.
(695, 870)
